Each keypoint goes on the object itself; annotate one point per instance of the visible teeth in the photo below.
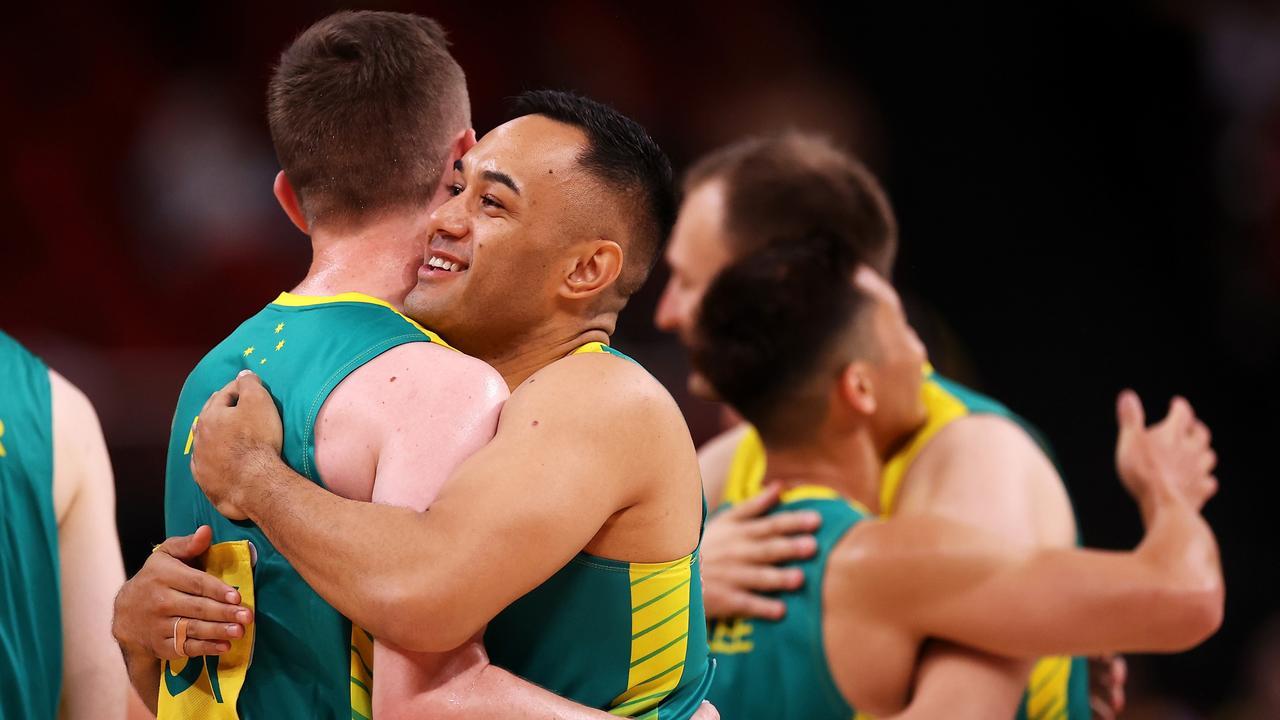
(442, 264)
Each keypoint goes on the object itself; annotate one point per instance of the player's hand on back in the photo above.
(238, 430)
(740, 553)
(1172, 458)
(165, 590)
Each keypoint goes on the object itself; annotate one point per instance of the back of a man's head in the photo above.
(792, 293)
(796, 185)
(362, 109)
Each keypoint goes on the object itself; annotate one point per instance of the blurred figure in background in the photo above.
(968, 458)
(61, 557)
(852, 634)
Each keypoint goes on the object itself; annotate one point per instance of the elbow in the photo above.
(423, 621)
(1193, 614)
(1206, 611)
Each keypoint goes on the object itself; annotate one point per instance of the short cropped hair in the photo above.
(362, 107)
(621, 154)
(776, 328)
(799, 185)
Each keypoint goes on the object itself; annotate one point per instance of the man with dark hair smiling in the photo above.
(369, 117)
(573, 534)
(876, 590)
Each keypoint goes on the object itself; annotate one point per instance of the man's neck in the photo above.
(847, 464)
(380, 259)
(539, 348)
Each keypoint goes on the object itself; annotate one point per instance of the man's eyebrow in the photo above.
(500, 177)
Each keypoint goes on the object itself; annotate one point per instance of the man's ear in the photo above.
(458, 146)
(857, 388)
(288, 200)
(597, 267)
(461, 143)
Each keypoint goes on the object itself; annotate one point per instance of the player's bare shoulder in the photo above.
(988, 470)
(613, 390)
(408, 373)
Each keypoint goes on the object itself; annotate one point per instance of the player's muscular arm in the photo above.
(990, 685)
(94, 680)
(986, 471)
(536, 494)
(417, 412)
(930, 577)
(462, 684)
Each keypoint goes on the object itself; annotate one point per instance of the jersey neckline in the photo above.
(288, 299)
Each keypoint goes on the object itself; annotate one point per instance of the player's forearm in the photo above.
(990, 685)
(1182, 553)
(1166, 596)
(498, 694)
(381, 566)
(491, 693)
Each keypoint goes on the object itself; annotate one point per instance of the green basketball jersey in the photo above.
(1059, 685)
(630, 638)
(778, 668)
(306, 661)
(30, 601)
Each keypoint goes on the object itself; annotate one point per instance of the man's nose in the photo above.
(668, 315)
(449, 219)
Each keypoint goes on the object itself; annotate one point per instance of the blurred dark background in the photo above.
(1088, 196)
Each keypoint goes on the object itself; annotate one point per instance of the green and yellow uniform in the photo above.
(303, 659)
(30, 600)
(1059, 686)
(630, 638)
(778, 669)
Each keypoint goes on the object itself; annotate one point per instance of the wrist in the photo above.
(132, 651)
(258, 471)
(1154, 501)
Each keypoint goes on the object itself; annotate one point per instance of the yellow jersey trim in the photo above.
(659, 633)
(361, 673)
(942, 408)
(287, 299)
(1049, 689)
(746, 470)
(819, 492)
